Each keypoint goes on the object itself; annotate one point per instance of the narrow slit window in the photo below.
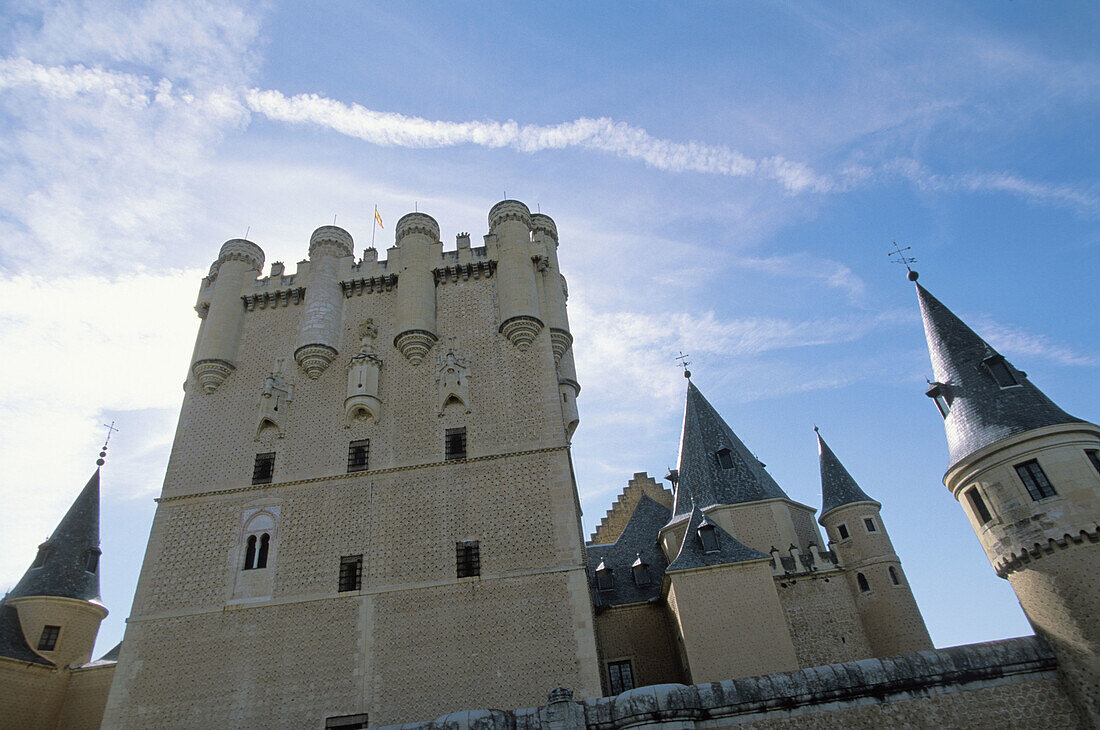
(894, 576)
(358, 455)
(864, 586)
(351, 573)
(1094, 457)
(261, 555)
(1000, 371)
(263, 468)
(842, 530)
(725, 458)
(455, 446)
(621, 675)
(1033, 477)
(468, 558)
(48, 640)
(869, 524)
(974, 497)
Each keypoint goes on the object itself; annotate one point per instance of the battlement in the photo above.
(1019, 557)
(421, 223)
(796, 562)
(509, 210)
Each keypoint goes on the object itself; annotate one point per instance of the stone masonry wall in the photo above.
(823, 619)
(641, 633)
(87, 697)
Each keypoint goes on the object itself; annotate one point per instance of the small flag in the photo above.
(378, 218)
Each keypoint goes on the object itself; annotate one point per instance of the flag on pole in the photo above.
(378, 217)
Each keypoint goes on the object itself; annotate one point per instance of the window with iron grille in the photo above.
(346, 722)
(358, 455)
(1094, 457)
(456, 443)
(351, 573)
(468, 558)
(1031, 474)
(48, 640)
(621, 675)
(264, 468)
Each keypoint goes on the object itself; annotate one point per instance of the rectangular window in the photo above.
(358, 455)
(1031, 474)
(725, 459)
(91, 560)
(455, 447)
(351, 573)
(48, 640)
(346, 722)
(869, 524)
(264, 468)
(842, 530)
(468, 558)
(621, 676)
(1094, 457)
(978, 505)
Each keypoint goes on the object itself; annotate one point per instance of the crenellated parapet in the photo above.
(319, 332)
(222, 311)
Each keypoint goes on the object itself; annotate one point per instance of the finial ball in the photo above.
(687, 374)
(913, 276)
(99, 462)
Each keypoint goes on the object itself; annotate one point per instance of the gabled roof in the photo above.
(63, 571)
(638, 539)
(729, 551)
(837, 486)
(701, 477)
(13, 644)
(981, 411)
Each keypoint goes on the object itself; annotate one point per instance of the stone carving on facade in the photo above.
(275, 394)
(453, 378)
(362, 404)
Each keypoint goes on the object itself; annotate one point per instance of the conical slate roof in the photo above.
(837, 486)
(981, 411)
(64, 568)
(692, 555)
(701, 476)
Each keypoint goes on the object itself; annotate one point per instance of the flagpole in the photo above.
(373, 226)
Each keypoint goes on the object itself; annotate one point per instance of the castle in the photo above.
(370, 517)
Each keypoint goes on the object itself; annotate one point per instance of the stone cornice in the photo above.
(273, 299)
(360, 474)
(473, 270)
(368, 284)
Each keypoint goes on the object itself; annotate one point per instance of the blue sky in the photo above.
(727, 180)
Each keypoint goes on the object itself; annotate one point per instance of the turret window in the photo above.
(864, 586)
(1035, 480)
(869, 524)
(725, 458)
(48, 640)
(977, 504)
(941, 395)
(91, 560)
(1000, 371)
(842, 530)
(1094, 457)
(894, 576)
(40, 558)
(359, 455)
(263, 468)
(455, 444)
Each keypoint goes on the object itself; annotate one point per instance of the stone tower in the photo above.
(886, 606)
(1027, 475)
(369, 513)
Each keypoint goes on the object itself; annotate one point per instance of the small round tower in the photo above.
(220, 307)
(517, 290)
(319, 331)
(415, 236)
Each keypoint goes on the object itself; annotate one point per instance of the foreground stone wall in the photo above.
(1003, 684)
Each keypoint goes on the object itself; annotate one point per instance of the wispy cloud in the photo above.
(831, 273)
(1014, 341)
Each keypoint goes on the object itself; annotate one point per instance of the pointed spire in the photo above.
(63, 562)
(715, 466)
(697, 550)
(985, 398)
(838, 488)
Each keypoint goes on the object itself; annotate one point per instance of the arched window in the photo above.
(265, 544)
(250, 553)
(864, 586)
(894, 576)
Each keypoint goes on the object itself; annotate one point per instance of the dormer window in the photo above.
(43, 554)
(641, 572)
(91, 560)
(1000, 371)
(708, 537)
(941, 394)
(725, 458)
(604, 580)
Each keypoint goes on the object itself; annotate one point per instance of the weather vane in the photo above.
(103, 451)
(903, 259)
(684, 364)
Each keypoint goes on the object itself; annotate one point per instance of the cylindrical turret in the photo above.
(552, 283)
(319, 332)
(415, 235)
(569, 389)
(517, 290)
(216, 355)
